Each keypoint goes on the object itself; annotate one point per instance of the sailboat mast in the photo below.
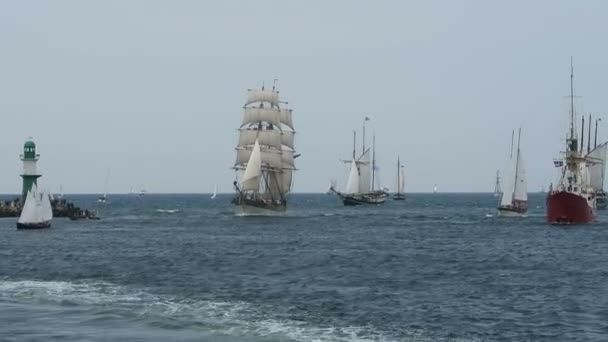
(517, 163)
(572, 100)
(354, 144)
(373, 160)
(398, 176)
(582, 133)
(595, 141)
(589, 135)
(512, 138)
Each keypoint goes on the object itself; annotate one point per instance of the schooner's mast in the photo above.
(373, 160)
(573, 144)
(517, 163)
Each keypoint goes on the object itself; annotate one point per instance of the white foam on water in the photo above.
(223, 318)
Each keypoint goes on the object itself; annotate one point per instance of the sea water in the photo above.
(436, 267)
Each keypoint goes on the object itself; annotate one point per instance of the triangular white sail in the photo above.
(28, 212)
(597, 166)
(214, 192)
(47, 210)
(508, 186)
(401, 180)
(250, 180)
(520, 191)
(352, 184)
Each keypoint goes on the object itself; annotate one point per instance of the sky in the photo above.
(153, 90)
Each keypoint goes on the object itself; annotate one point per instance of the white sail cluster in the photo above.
(37, 207)
(360, 175)
(596, 166)
(265, 149)
(516, 182)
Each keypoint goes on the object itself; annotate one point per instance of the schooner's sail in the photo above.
(596, 159)
(514, 199)
(36, 211)
(265, 157)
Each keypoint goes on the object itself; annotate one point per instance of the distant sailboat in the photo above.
(36, 212)
(214, 192)
(360, 184)
(399, 195)
(102, 198)
(514, 200)
(497, 189)
(435, 188)
(265, 158)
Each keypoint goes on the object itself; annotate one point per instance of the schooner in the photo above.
(360, 183)
(265, 155)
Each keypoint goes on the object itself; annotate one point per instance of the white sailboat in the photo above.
(103, 198)
(36, 212)
(265, 160)
(514, 199)
(400, 195)
(359, 187)
(214, 192)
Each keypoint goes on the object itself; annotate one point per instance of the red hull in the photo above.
(565, 207)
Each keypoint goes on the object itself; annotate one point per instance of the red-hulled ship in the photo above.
(573, 200)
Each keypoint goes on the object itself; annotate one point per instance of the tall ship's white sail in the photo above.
(596, 161)
(514, 199)
(265, 154)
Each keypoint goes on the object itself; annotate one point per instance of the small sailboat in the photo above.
(399, 195)
(102, 198)
(514, 200)
(214, 192)
(265, 158)
(497, 189)
(435, 188)
(360, 184)
(36, 212)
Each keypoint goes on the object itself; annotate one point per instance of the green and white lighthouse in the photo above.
(30, 173)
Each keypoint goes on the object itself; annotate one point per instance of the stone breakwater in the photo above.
(61, 208)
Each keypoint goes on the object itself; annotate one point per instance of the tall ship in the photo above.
(400, 195)
(265, 155)
(497, 188)
(596, 166)
(36, 212)
(514, 199)
(573, 199)
(360, 188)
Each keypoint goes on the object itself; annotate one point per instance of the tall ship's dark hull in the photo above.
(568, 208)
(399, 197)
(245, 206)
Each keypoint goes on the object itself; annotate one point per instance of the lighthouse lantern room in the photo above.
(30, 172)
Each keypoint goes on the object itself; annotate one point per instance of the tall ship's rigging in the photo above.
(265, 155)
(360, 187)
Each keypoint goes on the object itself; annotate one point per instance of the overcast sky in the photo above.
(153, 90)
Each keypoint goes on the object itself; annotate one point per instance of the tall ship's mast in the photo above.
(573, 200)
(265, 154)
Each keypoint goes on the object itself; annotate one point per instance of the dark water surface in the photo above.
(431, 268)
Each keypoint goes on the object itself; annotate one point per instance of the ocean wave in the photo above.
(237, 319)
